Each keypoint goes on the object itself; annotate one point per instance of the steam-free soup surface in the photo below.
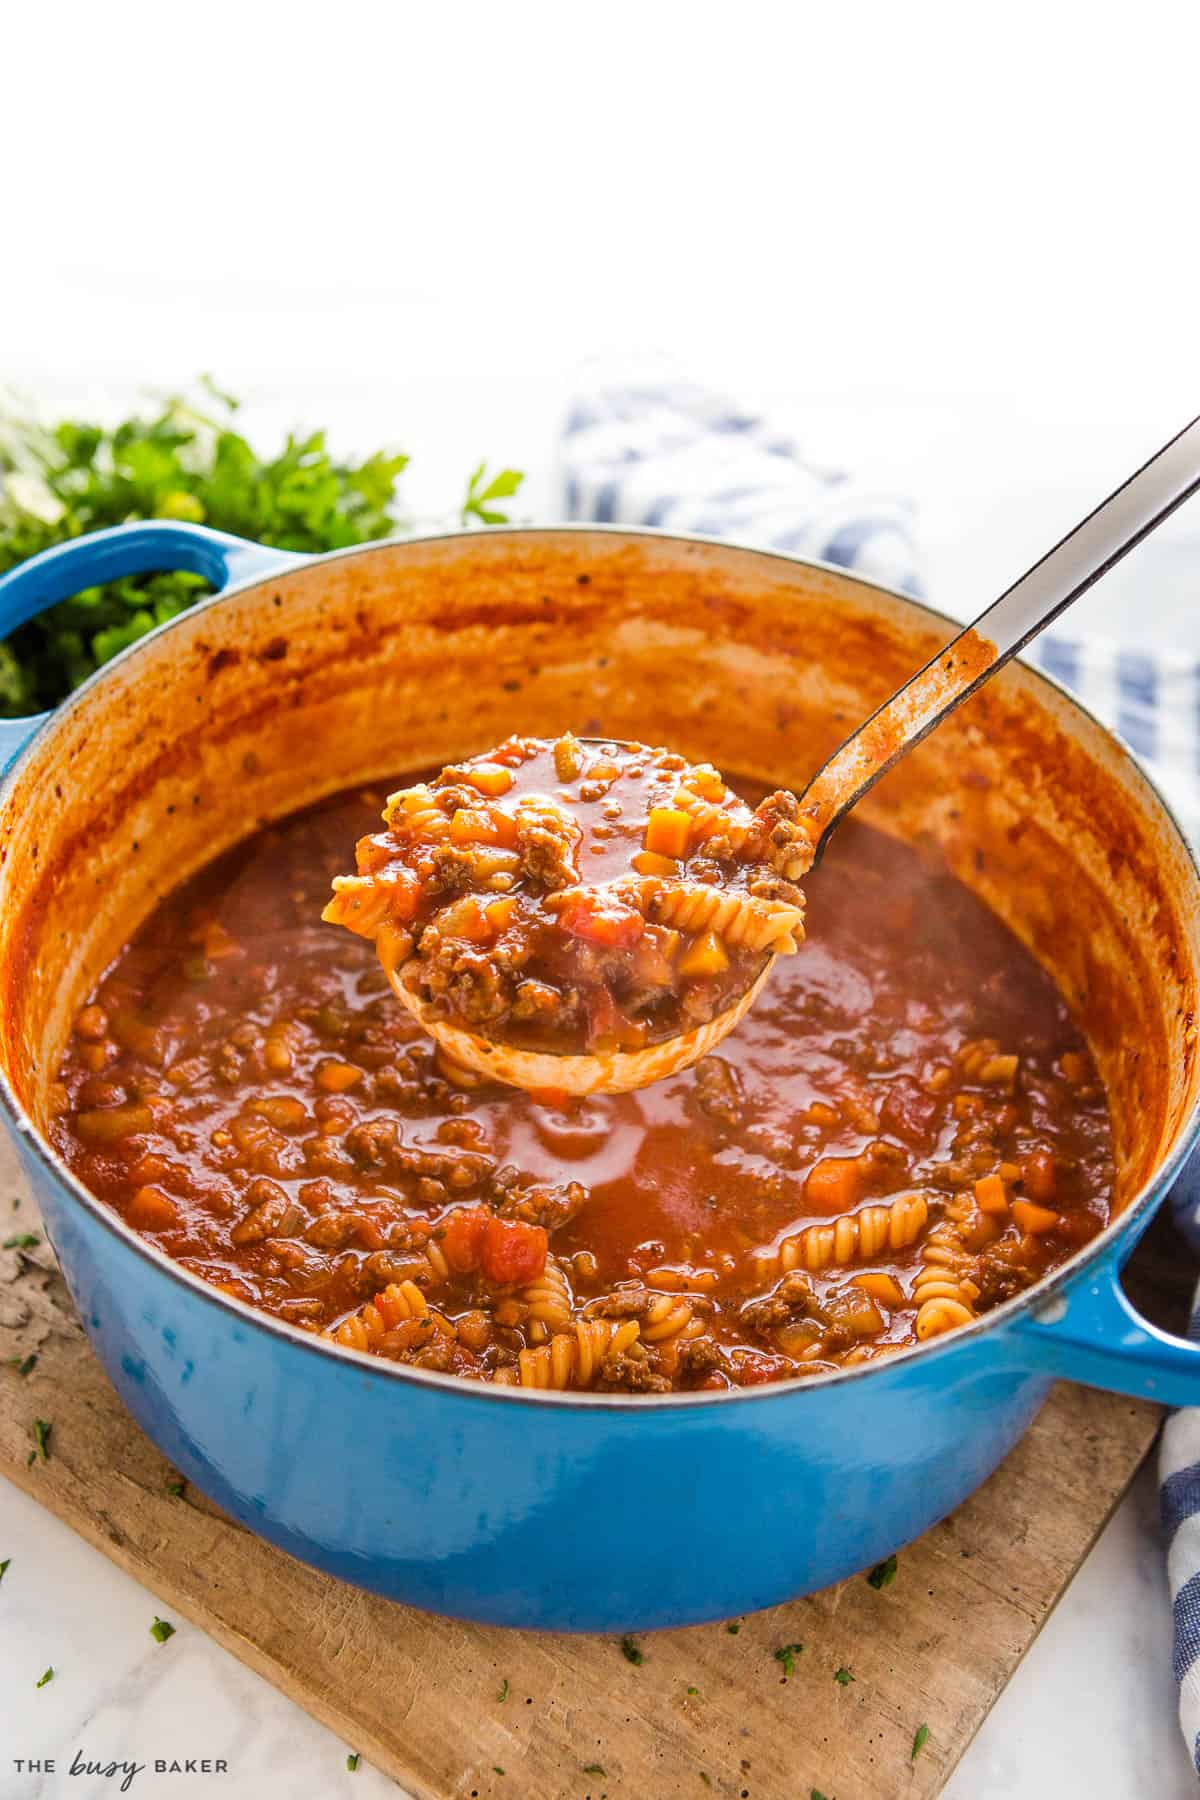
(906, 1130)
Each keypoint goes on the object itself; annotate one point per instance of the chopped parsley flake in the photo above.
(6, 1564)
(884, 1573)
(843, 1677)
(23, 1364)
(815, 1794)
(24, 1240)
(706, 1778)
(175, 1487)
(631, 1653)
(502, 1696)
(41, 1437)
(733, 1630)
(919, 1741)
(693, 1690)
(161, 1630)
(352, 1761)
(48, 1676)
(787, 1655)
(496, 1769)
(592, 1769)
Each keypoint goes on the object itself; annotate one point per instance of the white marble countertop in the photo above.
(446, 319)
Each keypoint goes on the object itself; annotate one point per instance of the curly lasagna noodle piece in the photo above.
(569, 897)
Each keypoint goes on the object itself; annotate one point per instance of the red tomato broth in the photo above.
(251, 1096)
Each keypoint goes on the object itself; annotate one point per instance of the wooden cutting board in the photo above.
(708, 1709)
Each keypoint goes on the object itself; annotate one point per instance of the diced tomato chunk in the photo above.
(604, 920)
(513, 1252)
(462, 1245)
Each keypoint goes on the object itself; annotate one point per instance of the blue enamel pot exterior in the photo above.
(572, 1512)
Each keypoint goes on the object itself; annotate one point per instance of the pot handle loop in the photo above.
(139, 548)
(1090, 1331)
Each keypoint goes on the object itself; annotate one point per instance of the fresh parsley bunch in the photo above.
(185, 461)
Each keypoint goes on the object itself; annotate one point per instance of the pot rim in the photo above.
(373, 1368)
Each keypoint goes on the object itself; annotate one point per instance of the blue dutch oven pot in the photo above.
(577, 1512)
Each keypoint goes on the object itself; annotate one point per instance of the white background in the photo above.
(955, 248)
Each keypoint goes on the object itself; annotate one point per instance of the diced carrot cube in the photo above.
(834, 1184)
(490, 778)
(1039, 1174)
(1073, 1066)
(884, 1288)
(704, 956)
(475, 825)
(649, 862)
(152, 1210)
(1033, 1218)
(667, 831)
(990, 1194)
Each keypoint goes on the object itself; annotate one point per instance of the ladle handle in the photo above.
(1041, 594)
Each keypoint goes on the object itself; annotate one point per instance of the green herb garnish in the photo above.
(706, 1778)
(631, 1653)
(883, 1573)
(502, 1696)
(48, 1676)
(593, 1769)
(496, 1769)
(693, 1690)
(5, 1565)
(787, 1655)
(24, 1240)
(185, 459)
(161, 1630)
(733, 1630)
(23, 1364)
(41, 1434)
(176, 1488)
(919, 1741)
(352, 1761)
(480, 491)
(815, 1794)
(843, 1677)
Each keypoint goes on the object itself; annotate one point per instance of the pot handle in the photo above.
(1090, 1331)
(138, 548)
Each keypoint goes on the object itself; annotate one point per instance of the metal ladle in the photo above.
(1129, 514)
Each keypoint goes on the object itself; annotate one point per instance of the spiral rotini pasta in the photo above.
(742, 921)
(402, 1302)
(571, 1359)
(854, 1237)
(944, 1293)
(547, 1302)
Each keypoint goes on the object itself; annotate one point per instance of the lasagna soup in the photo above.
(905, 1131)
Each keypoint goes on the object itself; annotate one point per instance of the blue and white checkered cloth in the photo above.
(649, 450)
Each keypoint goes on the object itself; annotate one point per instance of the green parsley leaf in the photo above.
(6, 1564)
(631, 1653)
(181, 458)
(884, 1573)
(479, 491)
(593, 1769)
(23, 1364)
(352, 1761)
(693, 1690)
(176, 1488)
(733, 1630)
(496, 1769)
(502, 1696)
(815, 1794)
(48, 1676)
(706, 1778)
(787, 1655)
(843, 1677)
(41, 1434)
(919, 1741)
(161, 1630)
(24, 1240)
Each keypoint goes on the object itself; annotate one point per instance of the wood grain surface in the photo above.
(708, 1709)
